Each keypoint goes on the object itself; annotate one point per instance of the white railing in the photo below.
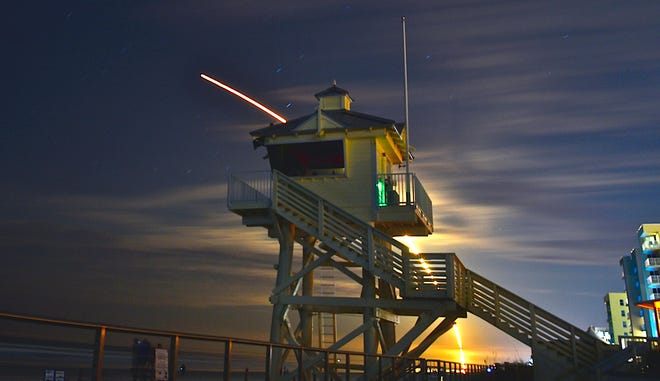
(248, 187)
(527, 322)
(653, 280)
(435, 275)
(400, 189)
(652, 263)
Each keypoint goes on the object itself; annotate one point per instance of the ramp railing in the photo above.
(526, 322)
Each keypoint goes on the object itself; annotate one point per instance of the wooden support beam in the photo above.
(423, 322)
(444, 326)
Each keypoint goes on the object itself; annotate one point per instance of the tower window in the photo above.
(308, 159)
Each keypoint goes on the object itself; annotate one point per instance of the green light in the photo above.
(382, 192)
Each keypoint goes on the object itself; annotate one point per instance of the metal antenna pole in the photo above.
(405, 97)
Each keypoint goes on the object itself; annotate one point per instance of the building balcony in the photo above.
(404, 207)
(652, 263)
(653, 280)
(650, 243)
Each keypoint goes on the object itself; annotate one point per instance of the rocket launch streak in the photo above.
(244, 97)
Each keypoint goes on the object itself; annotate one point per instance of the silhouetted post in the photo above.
(97, 362)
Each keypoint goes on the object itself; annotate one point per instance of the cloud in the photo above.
(178, 247)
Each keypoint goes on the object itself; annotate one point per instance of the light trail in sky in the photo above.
(244, 97)
(460, 347)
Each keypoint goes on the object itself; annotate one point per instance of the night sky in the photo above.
(535, 123)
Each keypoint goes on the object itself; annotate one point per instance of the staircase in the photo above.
(427, 276)
(351, 238)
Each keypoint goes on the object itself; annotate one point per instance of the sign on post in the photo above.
(161, 364)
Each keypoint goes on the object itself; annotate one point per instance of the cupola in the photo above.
(334, 98)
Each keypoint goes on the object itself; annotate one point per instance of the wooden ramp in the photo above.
(415, 278)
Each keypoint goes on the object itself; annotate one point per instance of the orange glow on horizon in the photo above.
(244, 97)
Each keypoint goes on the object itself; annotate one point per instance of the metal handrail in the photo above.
(351, 366)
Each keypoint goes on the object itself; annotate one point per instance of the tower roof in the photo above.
(332, 90)
(331, 118)
(348, 120)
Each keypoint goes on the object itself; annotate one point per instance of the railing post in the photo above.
(452, 287)
(573, 346)
(423, 369)
(326, 366)
(371, 252)
(99, 348)
(532, 322)
(269, 358)
(470, 288)
(230, 188)
(406, 272)
(380, 367)
(321, 217)
(301, 370)
(496, 298)
(227, 364)
(408, 200)
(174, 357)
(274, 189)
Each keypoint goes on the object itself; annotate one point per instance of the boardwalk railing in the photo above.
(108, 354)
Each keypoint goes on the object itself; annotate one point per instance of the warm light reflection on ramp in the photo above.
(244, 97)
(408, 241)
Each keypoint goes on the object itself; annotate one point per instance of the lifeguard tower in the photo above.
(349, 159)
(339, 188)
